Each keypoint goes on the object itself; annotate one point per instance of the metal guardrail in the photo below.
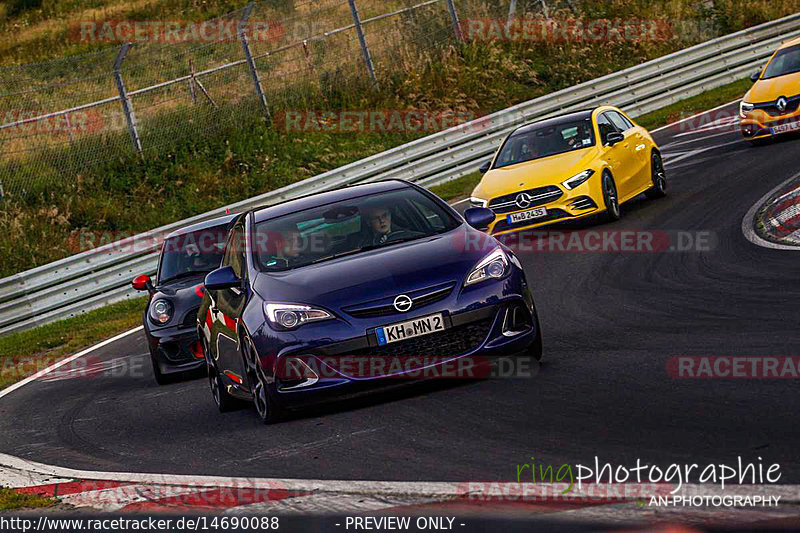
(101, 276)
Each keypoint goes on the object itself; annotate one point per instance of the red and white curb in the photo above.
(615, 503)
(781, 218)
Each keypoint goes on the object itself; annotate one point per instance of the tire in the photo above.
(260, 388)
(161, 378)
(658, 177)
(535, 349)
(610, 198)
(224, 401)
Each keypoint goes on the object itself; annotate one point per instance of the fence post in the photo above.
(451, 6)
(512, 9)
(250, 61)
(363, 41)
(127, 107)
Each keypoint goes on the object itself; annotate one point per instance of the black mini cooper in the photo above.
(170, 318)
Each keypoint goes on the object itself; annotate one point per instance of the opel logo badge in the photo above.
(523, 200)
(403, 303)
(781, 104)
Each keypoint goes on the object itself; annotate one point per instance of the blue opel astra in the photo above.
(334, 294)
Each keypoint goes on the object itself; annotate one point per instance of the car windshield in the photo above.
(192, 253)
(786, 61)
(546, 140)
(346, 228)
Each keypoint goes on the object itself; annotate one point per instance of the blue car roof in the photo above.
(219, 221)
(318, 199)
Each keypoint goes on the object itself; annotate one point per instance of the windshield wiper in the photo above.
(335, 256)
(180, 275)
(368, 247)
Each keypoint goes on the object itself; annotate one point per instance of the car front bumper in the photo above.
(175, 349)
(582, 201)
(759, 124)
(482, 323)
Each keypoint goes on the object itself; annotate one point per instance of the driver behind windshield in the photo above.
(288, 247)
(379, 227)
(199, 262)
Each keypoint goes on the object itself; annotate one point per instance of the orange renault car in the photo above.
(772, 105)
(569, 167)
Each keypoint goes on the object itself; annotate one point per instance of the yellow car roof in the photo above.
(790, 43)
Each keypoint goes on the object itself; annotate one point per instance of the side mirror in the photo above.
(143, 283)
(614, 137)
(755, 75)
(222, 278)
(485, 167)
(479, 217)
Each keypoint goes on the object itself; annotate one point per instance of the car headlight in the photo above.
(577, 179)
(161, 311)
(291, 316)
(744, 108)
(493, 266)
(477, 202)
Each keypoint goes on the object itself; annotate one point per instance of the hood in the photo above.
(184, 298)
(380, 273)
(181, 286)
(537, 173)
(773, 88)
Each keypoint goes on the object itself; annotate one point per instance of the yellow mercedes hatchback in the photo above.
(772, 105)
(569, 167)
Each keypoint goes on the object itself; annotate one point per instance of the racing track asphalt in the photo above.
(610, 320)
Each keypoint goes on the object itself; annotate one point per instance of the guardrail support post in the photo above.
(127, 106)
(241, 29)
(451, 7)
(363, 41)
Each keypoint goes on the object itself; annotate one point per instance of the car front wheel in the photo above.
(267, 411)
(658, 176)
(225, 402)
(610, 197)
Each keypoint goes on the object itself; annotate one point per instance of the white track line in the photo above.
(15, 386)
(671, 124)
(747, 222)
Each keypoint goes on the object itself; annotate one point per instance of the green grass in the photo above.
(26, 352)
(195, 161)
(458, 188)
(696, 104)
(11, 500)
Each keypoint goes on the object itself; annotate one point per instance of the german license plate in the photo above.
(539, 212)
(790, 126)
(409, 329)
